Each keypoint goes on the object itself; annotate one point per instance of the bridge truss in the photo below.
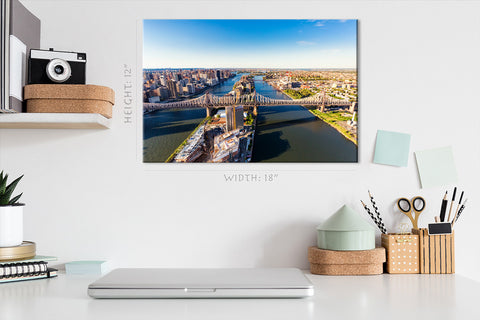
(253, 99)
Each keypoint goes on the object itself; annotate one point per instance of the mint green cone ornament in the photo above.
(345, 230)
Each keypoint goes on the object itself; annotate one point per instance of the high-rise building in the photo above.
(234, 116)
(163, 82)
(191, 88)
(239, 117)
(179, 88)
(163, 93)
(172, 88)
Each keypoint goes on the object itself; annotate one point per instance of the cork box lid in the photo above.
(69, 91)
(320, 256)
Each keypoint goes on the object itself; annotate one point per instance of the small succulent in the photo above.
(6, 191)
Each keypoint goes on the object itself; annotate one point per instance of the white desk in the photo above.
(369, 297)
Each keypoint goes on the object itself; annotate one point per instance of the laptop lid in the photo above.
(202, 283)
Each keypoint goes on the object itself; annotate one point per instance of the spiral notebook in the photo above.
(35, 268)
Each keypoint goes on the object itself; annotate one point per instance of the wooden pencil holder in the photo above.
(437, 252)
(402, 252)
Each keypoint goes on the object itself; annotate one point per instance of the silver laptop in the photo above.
(202, 283)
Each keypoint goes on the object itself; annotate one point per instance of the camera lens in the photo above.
(59, 69)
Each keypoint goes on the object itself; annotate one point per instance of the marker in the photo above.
(451, 204)
(444, 207)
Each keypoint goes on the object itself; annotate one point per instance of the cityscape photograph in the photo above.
(238, 91)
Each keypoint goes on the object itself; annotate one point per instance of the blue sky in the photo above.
(249, 43)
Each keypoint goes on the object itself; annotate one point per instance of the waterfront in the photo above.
(284, 133)
(164, 131)
(293, 134)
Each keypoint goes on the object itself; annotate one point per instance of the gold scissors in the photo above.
(417, 205)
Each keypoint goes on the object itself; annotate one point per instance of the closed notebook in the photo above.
(20, 32)
(49, 273)
(34, 259)
(35, 268)
(4, 33)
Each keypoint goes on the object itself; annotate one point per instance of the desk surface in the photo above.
(367, 297)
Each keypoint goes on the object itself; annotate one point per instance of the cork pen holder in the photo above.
(402, 252)
(437, 252)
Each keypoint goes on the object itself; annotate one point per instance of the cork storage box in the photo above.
(69, 98)
(402, 252)
(357, 262)
(437, 252)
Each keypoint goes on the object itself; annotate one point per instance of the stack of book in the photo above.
(20, 270)
(19, 32)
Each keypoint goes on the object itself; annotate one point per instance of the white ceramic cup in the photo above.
(11, 226)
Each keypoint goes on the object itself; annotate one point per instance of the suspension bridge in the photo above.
(210, 102)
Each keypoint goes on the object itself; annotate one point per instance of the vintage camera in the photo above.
(49, 66)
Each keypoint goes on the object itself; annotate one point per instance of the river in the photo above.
(284, 133)
(293, 134)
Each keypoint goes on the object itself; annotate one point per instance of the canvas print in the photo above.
(238, 91)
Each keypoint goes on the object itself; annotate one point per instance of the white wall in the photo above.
(89, 196)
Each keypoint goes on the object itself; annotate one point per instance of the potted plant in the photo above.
(11, 213)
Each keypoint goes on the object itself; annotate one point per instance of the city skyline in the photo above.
(275, 44)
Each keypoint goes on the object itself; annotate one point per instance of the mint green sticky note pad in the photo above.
(86, 262)
(392, 148)
(85, 267)
(436, 167)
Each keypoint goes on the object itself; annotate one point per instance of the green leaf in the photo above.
(11, 188)
(3, 183)
(14, 199)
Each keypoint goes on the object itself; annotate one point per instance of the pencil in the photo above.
(451, 204)
(444, 207)
(458, 207)
(459, 212)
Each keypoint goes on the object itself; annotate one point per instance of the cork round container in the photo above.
(357, 262)
(69, 98)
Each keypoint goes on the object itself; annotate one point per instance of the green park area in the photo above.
(335, 118)
(250, 119)
(298, 94)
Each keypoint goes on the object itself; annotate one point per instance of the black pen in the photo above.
(451, 204)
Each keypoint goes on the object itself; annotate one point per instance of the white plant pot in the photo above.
(11, 226)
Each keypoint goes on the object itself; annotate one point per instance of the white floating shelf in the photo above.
(54, 121)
